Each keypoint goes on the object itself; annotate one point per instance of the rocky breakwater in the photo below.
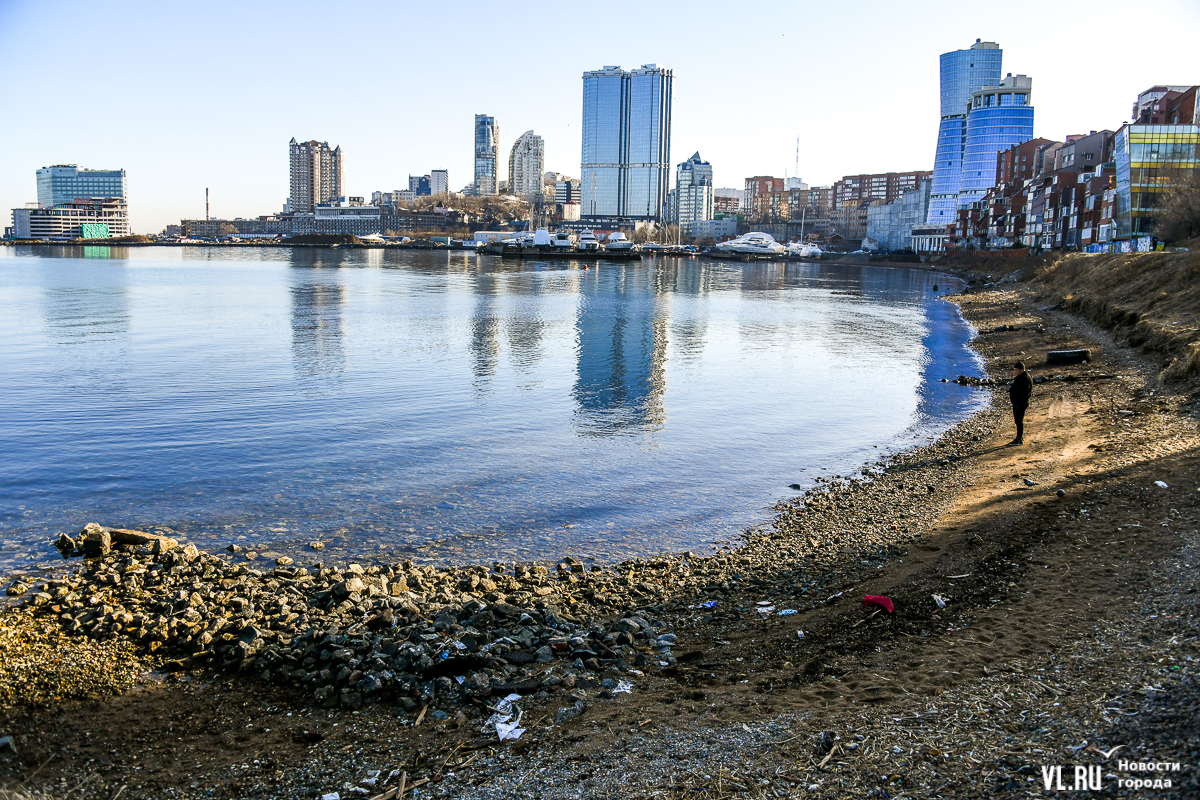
(424, 638)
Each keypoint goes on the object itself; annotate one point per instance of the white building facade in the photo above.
(439, 181)
(692, 200)
(97, 218)
(525, 165)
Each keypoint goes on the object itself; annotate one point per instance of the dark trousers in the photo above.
(1019, 418)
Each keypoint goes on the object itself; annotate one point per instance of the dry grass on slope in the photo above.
(1152, 297)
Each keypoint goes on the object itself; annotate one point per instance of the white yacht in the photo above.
(804, 250)
(563, 239)
(754, 243)
(617, 241)
(541, 238)
(588, 241)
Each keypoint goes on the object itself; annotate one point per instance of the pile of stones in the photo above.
(421, 636)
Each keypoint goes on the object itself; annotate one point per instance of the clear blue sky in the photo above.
(185, 96)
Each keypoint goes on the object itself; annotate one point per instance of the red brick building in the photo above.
(885, 186)
(755, 187)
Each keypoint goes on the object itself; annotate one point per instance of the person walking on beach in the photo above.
(1018, 392)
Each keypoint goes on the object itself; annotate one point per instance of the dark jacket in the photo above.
(1020, 389)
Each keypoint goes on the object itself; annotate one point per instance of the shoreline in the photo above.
(823, 551)
(843, 259)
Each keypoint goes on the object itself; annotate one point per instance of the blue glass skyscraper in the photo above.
(962, 72)
(605, 126)
(626, 143)
(999, 117)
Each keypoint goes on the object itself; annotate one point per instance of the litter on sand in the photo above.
(1161, 484)
(786, 612)
(706, 604)
(623, 687)
(765, 609)
(941, 601)
(875, 600)
(799, 634)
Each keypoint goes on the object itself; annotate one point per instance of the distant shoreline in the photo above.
(847, 259)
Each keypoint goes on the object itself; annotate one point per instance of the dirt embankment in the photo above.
(1066, 620)
(1150, 298)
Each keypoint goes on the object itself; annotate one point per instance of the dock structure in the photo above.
(542, 252)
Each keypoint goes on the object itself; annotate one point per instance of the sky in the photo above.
(190, 95)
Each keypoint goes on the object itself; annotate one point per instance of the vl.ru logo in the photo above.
(1087, 778)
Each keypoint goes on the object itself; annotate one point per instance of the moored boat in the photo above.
(588, 241)
(755, 243)
(617, 242)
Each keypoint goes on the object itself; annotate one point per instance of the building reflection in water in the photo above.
(484, 343)
(318, 353)
(621, 353)
(86, 304)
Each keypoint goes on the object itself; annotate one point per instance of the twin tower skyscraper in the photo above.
(981, 114)
(626, 159)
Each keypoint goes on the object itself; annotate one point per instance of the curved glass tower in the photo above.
(1000, 117)
(962, 72)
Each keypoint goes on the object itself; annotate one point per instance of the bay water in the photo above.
(446, 406)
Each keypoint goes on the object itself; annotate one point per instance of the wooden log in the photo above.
(123, 536)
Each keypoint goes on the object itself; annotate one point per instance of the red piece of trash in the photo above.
(875, 600)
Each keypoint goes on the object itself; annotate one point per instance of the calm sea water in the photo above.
(447, 405)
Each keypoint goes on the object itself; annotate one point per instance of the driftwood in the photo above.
(96, 540)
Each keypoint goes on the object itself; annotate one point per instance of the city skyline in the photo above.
(163, 135)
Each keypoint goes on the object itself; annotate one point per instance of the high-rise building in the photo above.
(998, 117)
(64, 183)
(692, 198)
(316, 174)
(419, 185)
(626, 144)
(487, 149)
(525, 165)
(756, 187)
(566, 190)
(439, 181)
(962, 72)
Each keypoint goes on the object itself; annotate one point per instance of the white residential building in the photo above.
(439, 181)
(525, 165)
(316, 174)
(692, 200)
